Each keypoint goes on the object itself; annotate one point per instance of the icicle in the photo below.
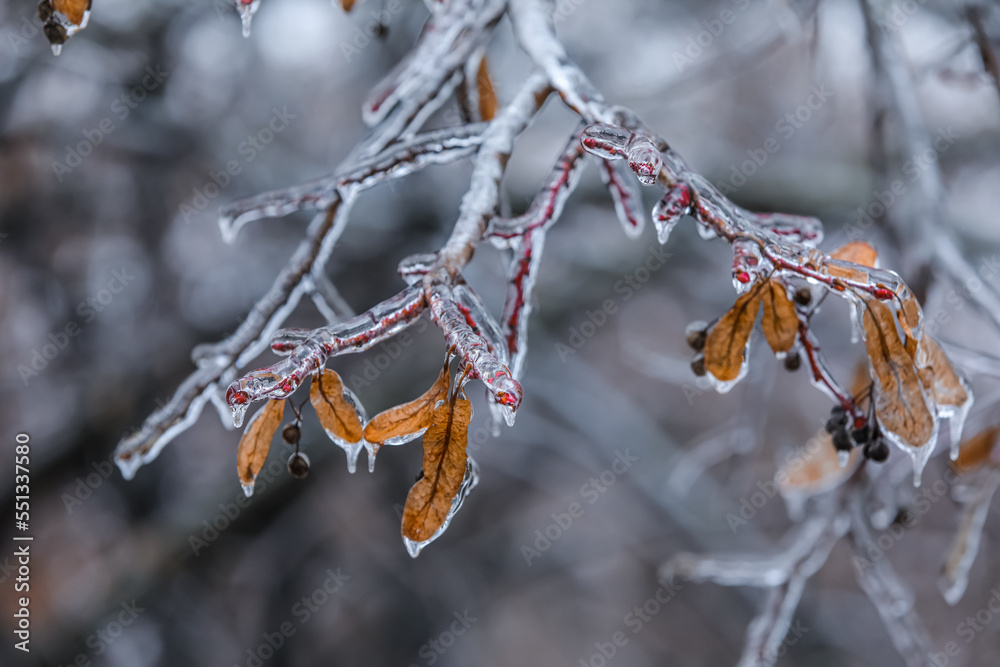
(56, 49)
(247, 8)
(353, 449)
(669, 210)
(469, 482)
(843, 458)
(723, 387)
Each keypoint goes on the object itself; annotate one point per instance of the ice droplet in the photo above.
(469, 482)
(669, 211)
(247, 489)
(644, 159)
(56, 49)
(843, 458)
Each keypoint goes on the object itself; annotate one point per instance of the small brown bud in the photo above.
(697, 333)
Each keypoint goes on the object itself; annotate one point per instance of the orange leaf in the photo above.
(337, 416)
(405, 422)
(976, 451)
(899, 401)
(348, 5)
(857, 252)
(940, 377)
(71, 9)
(487, 94)
(429, 501)
(780, 323)
(256, 442)
(815, 468)
(727, 341)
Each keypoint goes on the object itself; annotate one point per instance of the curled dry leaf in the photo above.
(405, 422)
(487, 94)
(976, 451)
(899, 403)
(256, 442)
(939, 376)
(726, 343)
(445, 441)
(336, 414)
(780, 323)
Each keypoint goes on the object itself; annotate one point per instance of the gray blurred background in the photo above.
(136, 204)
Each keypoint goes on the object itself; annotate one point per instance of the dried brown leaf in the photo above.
(337, 416)
(780, 323)
(727, 341)
(445, 441)
(976, 451)
(348, 5)
(256, 442)
(409, 418)
(487, 94)
(857, 252)
(899, 403)
(72, 9)
(815, 468)
(940, 377)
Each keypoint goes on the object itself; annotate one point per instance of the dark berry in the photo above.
(793, 362)
(298, 465)
(877, 451)
(837, 421)
(842, 441)
(291, 434)
(803, 296)
(697, 333)
(860, 436)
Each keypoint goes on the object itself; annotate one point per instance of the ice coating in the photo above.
(469, 482)
(308, 355)
(749, 265)
(413, 268)
(644, 159)
(474, 350)
(481, 321)
(626, 196)
(352, 449)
